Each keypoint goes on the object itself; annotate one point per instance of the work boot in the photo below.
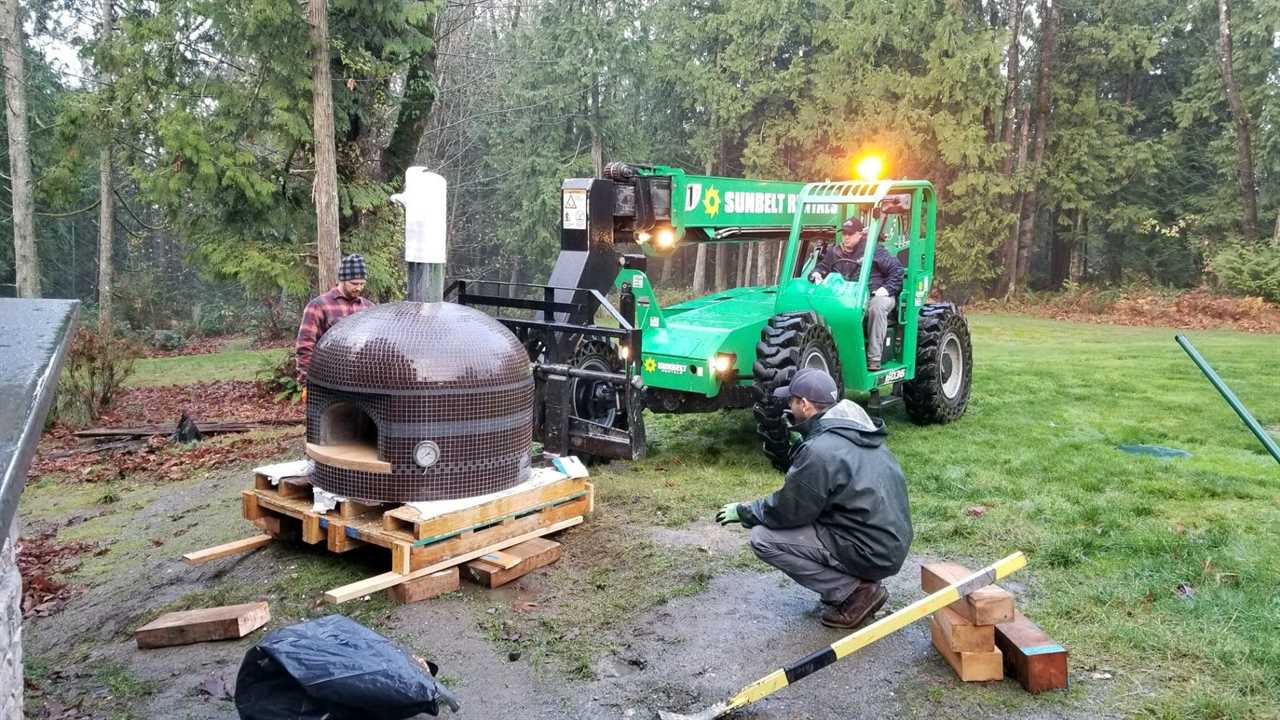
(860, 606)
(873, 365)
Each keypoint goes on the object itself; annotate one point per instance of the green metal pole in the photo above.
(1230, 397)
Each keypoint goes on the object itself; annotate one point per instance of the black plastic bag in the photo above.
(333, 668)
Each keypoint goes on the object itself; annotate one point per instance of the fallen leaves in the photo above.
(40, 558)
(157, 457)
(1192, 310)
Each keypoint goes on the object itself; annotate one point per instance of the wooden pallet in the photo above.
(419, 545)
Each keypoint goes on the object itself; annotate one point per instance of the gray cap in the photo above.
(813, 385)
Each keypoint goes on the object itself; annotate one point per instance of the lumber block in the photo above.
(311, 531)
(425, 588)
(200, 557)
(990, 605)
(193, 626)
(969, 666)
(962, 635)
(269, 524)
(530, 555)
(1030, 656)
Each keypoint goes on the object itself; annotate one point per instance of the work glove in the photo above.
(728, 514)
(881, 292)
(815, 277)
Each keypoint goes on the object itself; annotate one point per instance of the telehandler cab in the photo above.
(728, 349)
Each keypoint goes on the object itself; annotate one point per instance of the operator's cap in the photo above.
(813, 385)
(851, 226)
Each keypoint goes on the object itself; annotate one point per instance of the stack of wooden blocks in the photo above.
(984, 637)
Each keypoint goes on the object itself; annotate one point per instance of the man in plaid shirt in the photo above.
(327, 309)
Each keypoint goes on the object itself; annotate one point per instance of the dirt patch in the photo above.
(1193, 310)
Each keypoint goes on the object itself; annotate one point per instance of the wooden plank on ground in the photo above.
(962, 635)
(969, 666)
(1030, 656)
(530, 555)
(425, 588)
(990, 605)
(193, 626)
(386, 580)
(200, 557)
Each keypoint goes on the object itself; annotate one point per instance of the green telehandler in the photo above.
(598, 365)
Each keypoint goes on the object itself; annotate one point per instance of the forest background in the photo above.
(169, 165)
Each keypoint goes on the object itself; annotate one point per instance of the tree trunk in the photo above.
(1275, 239)
(1079, 250)
(325, 190)
(1010, 278)
(1048, 26)
(106, 215)
(26, 261)
(751, 264)
(700, 271)
(597, 138)
(740, 260)
(777, 262)
(763, 256)
(415, 114)
(1011, 88)
(1059, 252)
(1240, 115)
(722, 262)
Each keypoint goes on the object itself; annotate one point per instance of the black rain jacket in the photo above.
(886, 271)
(846, 482)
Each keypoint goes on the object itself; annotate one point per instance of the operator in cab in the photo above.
(885, 283)
(841, 522)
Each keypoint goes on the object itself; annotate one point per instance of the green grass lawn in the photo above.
(227, 365)
(1164, 572)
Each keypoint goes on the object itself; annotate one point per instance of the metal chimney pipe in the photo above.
(425, 242)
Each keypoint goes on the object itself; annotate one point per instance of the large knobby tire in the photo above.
(944, 367)
(788, 342)
(597, 401)
(593, 400)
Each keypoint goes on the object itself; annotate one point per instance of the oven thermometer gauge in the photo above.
(426, 454)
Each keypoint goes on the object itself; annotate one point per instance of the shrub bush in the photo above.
(1248, 270)
(169, 340)
(280, 377)
(96, 369)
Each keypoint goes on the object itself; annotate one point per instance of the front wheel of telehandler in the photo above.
(944, 367)
(788, 343)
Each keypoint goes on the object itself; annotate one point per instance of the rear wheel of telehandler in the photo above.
(944, 366)
(788, 343)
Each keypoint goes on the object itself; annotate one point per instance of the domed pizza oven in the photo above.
(419, 401)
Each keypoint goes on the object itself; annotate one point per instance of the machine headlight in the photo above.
(723, 363)
(624, 352)
(666, 238)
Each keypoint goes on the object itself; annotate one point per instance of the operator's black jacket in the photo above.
(886, 271)
(845, 482)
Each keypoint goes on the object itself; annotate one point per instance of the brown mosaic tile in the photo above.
(404, 374)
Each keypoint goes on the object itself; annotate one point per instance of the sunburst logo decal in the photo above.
(711, 202)
(650, 364)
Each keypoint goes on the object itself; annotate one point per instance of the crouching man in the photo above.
(840, 523)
